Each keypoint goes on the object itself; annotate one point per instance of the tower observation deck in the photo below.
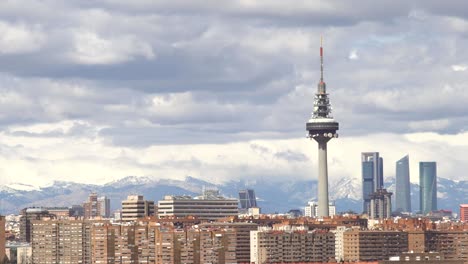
(322, 127)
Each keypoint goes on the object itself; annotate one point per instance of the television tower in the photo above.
(322, 127)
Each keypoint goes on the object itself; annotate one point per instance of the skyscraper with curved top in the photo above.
(428, 186)
(402, 189)
(322, 128)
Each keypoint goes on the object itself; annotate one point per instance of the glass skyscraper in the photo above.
(402, 190)
(372, 176)
(247, 199)
(428, 186)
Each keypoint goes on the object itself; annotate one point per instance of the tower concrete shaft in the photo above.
(322, 127)
(323, 201)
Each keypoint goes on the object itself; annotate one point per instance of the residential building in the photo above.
(27, 215)
(420, 258)
(91, 207)
(59, 212)
(19, 252)
(452, 244)
(372, 176)
(311, 210)
(403, 187)
(288, 244)
(61, 241)
(428, 187)
(242, 234)
(2, 238)
(196, 244)
(464, 212)
(361, 245)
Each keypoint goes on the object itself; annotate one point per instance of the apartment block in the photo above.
(452, 244)
(195, 245)
(291, 244)
(28, 215)
(464, 212)
(242, 234)
(61, 241)
(361, 245)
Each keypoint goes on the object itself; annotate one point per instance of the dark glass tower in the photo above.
(247, 199)
(428, 186)
(372, 177)
(402, 189)
(322, 128)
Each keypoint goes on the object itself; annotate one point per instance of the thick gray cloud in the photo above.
(136, 74)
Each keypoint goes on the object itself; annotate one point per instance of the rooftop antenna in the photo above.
(321, 58)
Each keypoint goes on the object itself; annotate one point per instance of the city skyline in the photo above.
(219, 90)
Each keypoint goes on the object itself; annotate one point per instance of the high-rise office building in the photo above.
(464, 212)
(91, 206)
(403, 187)
(103, 206)
(96, 206)
(247, 199)
(136, 207)
(372, 177)
(211, 205)
(428, 186)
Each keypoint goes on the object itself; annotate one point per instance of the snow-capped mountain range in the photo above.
(273, 196)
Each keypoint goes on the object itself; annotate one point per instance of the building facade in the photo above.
(91, 206)
(104, 206)
(195, 245)
(464, 212)
(291, 245)
(380, 206)
(247, 199)
(427, 187)
(209, 206)
(403, 187)
(28, 215)
(453, 245)
(311, 210)
(61, 241)
(373, 245)
(96, 207)
(136, 207)
(372, 176)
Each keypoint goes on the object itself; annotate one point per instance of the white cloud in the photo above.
(91, 48)
(459, 67)
(20, 38)
(40, 160)
(353, 55)
(227, 71)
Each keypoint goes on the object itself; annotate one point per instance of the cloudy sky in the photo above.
(93, 91)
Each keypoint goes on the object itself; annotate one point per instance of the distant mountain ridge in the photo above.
(273, 196)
